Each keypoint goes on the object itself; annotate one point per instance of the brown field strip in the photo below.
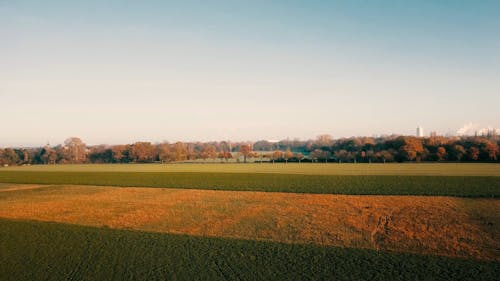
(14, 187)
(456, 227)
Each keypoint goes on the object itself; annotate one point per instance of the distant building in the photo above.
(420, 132)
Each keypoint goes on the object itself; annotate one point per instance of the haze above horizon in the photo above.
(124, 71)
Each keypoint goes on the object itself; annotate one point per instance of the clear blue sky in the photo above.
(122, 71)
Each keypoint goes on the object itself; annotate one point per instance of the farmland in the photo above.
(326, 220)
(405, 169)
(256, 221)
(85, 253)
(460, 186)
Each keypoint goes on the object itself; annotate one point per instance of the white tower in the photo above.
(420, 132)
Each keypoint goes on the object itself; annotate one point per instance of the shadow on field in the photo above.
(50, 251)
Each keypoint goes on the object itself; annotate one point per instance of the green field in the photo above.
(403, 169)
(49, 251)
(468, 186)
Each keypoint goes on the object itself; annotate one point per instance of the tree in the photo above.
(48, 155)
(492, 150)
(320, 155)
(245, 150)
(386, 155)
(180, 151)
(263, 145)
(474, 153)
(9, 157)
(276, 155)
(209, 151)
(120, 153)
(163, 150)
(457, 152)
(288, 154)
(191, 152)
(100, 154)
(225, 155)
(324, 141)
(300, 156)
(142, 152)
(441, 153)
(75, 150)
(342, 155)
(412, 148)
(436, 141)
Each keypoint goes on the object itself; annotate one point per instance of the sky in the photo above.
(115, 72)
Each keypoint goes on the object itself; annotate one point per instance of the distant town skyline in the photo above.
(115, 72)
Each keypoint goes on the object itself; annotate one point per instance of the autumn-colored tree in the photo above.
(276, 155)
(324, 141)
(163, 151)
(367, 142)
(180, 151)
(474, 153)
(412, 148)
(441, 153)
(300, 157)
(436, 141)
(225, 155)
(142, 152)
(387, 148)
(120, 153)
(209, 151)
(245, 150)
(75, 150)
(492, 150)
(253, 154)
(287, 155)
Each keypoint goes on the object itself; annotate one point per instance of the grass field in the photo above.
(47, 251)
(404, 169)
(456, 227)
(103, 222)
(469, 186)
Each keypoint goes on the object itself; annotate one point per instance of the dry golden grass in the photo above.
(445, 226)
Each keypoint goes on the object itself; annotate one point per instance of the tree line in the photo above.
(322, 149)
